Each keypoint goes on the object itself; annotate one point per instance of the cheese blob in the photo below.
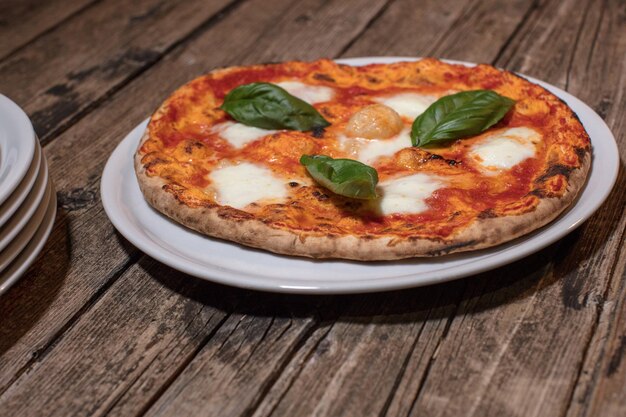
(369, 151)
(506, 148)
(375, 121)
(408, 105)
(407, 194)
(310, 93)
(239, 185)
(239, 135)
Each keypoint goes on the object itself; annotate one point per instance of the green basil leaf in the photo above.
(342, 176)
(269, 106)
(459, 115)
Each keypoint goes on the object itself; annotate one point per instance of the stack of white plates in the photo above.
(27, 196)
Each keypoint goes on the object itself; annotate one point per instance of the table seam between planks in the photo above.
(207, 24)
(109, 282)
(570, 65)
(138, 256)
(60, 22)
(599, 309)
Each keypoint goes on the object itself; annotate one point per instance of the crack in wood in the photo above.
(181, 368)
(368, 25)
(534, 7)
(576, 41)
(431, 361)
(463, 13)
(599, 313)
(396, 383)
(596, 34)
(299, 345)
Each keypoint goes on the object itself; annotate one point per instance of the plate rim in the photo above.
(15, 200)
(25, 211)
(27, 138)
(20, 264)
(23, 238)
(242, 280)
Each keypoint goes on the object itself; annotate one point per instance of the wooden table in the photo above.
(98, 328)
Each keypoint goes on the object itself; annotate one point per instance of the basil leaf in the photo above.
(459, 115)
(269, 106)
(342, 176)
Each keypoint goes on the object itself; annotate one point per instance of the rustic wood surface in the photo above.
(98, 328)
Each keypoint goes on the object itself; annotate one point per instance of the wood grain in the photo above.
(82, 70)
(527, 356)
(131, 107)
(21, 21)
(600, 387)
(96, 328)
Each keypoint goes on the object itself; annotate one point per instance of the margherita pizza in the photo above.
(379, 162)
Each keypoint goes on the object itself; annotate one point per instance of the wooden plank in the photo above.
(500, 313)
(524, 357)
(600, 388)
(23, 20)
(602, 378)
(356, 368)
(72, 272)
(133, 332)
(86, 279)
(433, 28)
(82, 70)
(293, 373)
(364, 375)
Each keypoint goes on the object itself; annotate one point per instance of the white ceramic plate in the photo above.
(25, 211)
(15, 200)
(15, 247)
(28, 255)
(232, 264)
(17, 146)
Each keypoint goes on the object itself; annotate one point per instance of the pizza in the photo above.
(377, 162)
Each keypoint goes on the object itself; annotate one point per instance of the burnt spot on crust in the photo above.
(318, 132)
(154, 162)
(320, 196)
(190, 145)
(352, 204)
(538, 192)
(487, 214)
(327, 112)
(581, 152)
(556, 169)
(323, 77)
(451, 162)
(225, 212)
(373, 80)
(452, 248)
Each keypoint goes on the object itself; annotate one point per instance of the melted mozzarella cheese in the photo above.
(408, 105)
(239, 135)
(369, 150)
(239, 185)
(310, 93)
(507, 148)
(408, 194)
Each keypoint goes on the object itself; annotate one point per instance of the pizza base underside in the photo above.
(488, 229)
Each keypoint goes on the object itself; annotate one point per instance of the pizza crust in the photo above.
(483, 233)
